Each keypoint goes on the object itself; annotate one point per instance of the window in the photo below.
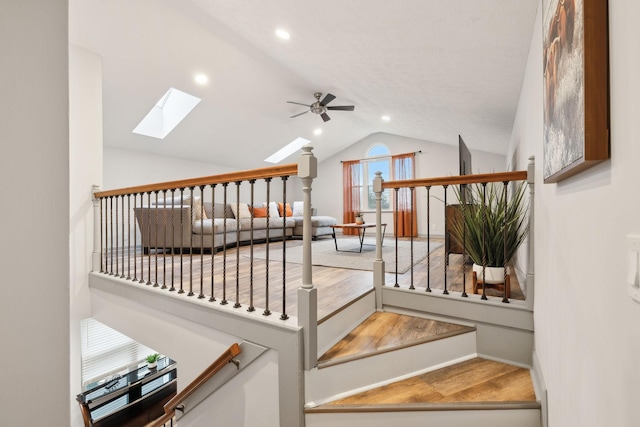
(106, 351)
(378, 160)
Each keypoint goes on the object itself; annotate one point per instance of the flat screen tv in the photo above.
(464, 157)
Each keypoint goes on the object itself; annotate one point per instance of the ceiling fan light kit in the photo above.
(320, 107)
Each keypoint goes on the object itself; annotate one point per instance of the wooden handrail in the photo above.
(457, 180)
(213, 369)
(158, 422)
(268, 172)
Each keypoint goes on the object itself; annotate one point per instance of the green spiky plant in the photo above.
(153, 358)
(513, 213)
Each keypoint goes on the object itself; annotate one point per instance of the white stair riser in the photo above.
(489, 418)
(332, 330)
(324, 385)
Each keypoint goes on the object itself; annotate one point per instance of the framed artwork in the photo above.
(576, 86)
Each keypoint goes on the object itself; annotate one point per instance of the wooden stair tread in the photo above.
(478, 382)
(384, 331)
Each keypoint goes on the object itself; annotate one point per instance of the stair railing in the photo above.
(175, 403)
(428, 185)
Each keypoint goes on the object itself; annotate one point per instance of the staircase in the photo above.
(397, 367)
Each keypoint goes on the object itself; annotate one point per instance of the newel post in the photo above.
(96, 259)
(531, 173)
(378, 263)
(307, 294)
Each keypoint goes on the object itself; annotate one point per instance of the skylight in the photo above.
(287, 150)
(168, 112)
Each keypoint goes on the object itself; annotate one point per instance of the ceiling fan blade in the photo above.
(299, 114)
(342, 107)
(327, 99)
(325, 117)
(297, 103)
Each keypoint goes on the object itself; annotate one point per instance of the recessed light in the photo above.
(201, 79)
(317, 131)
(385, 118)
(283, 34)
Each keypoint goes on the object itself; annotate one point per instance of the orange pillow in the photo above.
(259, 212)
(288, 209)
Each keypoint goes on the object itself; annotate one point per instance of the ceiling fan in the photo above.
(320, 107)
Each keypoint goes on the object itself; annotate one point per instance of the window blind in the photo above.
(106, 351)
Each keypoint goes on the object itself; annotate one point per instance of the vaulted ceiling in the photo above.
(437, 68)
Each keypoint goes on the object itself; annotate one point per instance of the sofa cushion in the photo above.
(322, 221)
(217, 224)
(259, 212)
(177, 201)
(240, 210)
(220, 210)
(298, 209)
(261, 223)
(282, 209)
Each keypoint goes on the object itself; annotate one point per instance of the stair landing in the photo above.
(383, 332)
(477, 381)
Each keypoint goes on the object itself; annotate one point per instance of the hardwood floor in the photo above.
(236, 278)
(385, 331)
(477, 380)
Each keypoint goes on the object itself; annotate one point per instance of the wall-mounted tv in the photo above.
(464, 157)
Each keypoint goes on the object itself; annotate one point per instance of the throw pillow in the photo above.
(282, 209)
(259, 212)
(298, 208)
(273, 209)
(240, 210)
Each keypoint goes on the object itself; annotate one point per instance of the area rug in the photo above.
(324, 254)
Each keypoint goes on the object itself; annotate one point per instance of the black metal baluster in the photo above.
(155, 257)
(201, 295)
(251, 307)
(135, 241)
(395, 232)
(506, 284)
(122, 276)
(237, 304)
(192, 222)
(411, 194)
(117, 272)
(284, 315)
(164, 244)
(224, 246)
(446, 258)
(484, 254)
(111, 232)
(101, 239)
(429, 239)
(213, 235)
(464, 242)
(149, 238)
(267, 312)
(128, 236)
(181, 291)
(173, 239)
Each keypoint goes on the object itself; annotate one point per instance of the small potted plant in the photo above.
(359, 218)
(152, 360)
(489, 222)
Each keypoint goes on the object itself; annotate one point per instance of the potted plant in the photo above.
(152, 360)
(359, 218)
(491, 228)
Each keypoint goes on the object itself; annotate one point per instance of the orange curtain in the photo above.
(352, 184)
(405, 224)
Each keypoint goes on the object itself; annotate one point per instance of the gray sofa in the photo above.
(179, 227)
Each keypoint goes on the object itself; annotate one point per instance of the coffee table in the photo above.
(362, 228)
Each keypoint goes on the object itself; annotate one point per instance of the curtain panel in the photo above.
(405, 218)
(352, 183)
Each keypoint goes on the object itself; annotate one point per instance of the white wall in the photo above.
(435, 160)
(34, 254)
(85, 154)
(587, 339)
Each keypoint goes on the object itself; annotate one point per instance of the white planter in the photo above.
(493, 275)
(152, 365)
